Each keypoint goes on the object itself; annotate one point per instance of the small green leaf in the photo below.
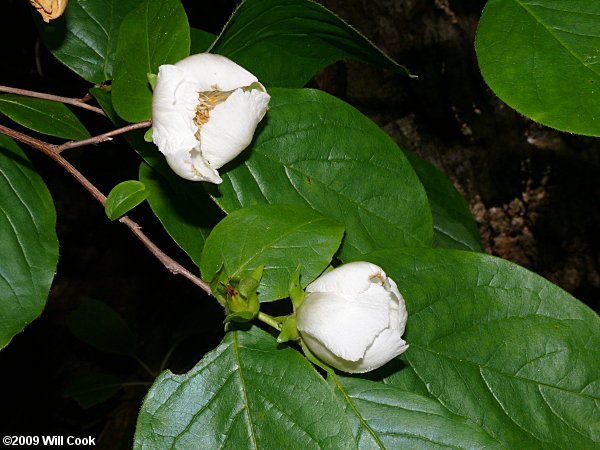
(286, 42)
(387, 417)
(28, 242)
(541, 58)
(44, 116)
(276, 236)
(155, 33)
(101, 327)
(124, 197)
(453, 223)
(152, 78)
(289, 330)
(148, 135)
(91, 389)
(85, 37)
(250, 392)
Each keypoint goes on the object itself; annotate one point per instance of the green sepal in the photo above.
(289, 331)
(148, 135)
(152, 78)
(242, 316)
(218, 289)
(295, 289)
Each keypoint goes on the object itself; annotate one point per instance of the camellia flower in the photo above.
(353, 318)
(205, 110)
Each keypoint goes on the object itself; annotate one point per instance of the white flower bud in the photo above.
(205, 110)
(353, 318)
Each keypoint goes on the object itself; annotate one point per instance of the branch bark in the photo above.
(57, 98)
(53, 151)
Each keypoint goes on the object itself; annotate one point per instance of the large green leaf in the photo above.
(542, 59)
(85, 37)
(28, 244)
(500, 345)
(318, 151)
(156, 32)
(387, 417)
(200, 40)
(286, 42)
(248, 393)
(187, 217)
(280, 237)
(453, 223)
(43, 116)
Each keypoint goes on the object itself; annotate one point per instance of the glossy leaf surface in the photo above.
(280, 237)
(28, 242)
(542, 59)
(43, 116)
(247, 393)
(387, 417)
(85, 37)
(155, 33)
(315, 150)
(124, 197)
(501, 346)
(286, 42)
(182, 207)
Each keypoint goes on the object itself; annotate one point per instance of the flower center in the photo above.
(209, 99)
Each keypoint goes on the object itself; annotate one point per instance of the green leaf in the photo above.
(200, 40)
(500, 345)
(278, 236)
(315, 150)
(286, 42)
(91, 389)
(28, 242)
(183, 208)
(155, 33)
(100, 326)
(124, 197)
(248, 393)
(85, 37)
(453, 223)
(387, 417)
(542, 58)
(43, 116)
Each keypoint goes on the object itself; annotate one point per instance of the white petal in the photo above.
(387, 345)
(352, 278)
(401, 315)
(209, 72)
(231, 126)
(346, 326)
(192, 166)
(173, 109)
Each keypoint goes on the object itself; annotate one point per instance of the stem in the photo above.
(269, 320)
(144, 365)
(166, 358)
(51, 151)
(102, 137)
(71, 101)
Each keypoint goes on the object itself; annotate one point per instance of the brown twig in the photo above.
(53, 152)
(102, 137)
(71, 101)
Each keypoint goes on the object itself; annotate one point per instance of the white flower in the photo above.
(353, 318)
(204, 112)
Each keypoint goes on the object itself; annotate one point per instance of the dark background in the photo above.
(533, 192)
